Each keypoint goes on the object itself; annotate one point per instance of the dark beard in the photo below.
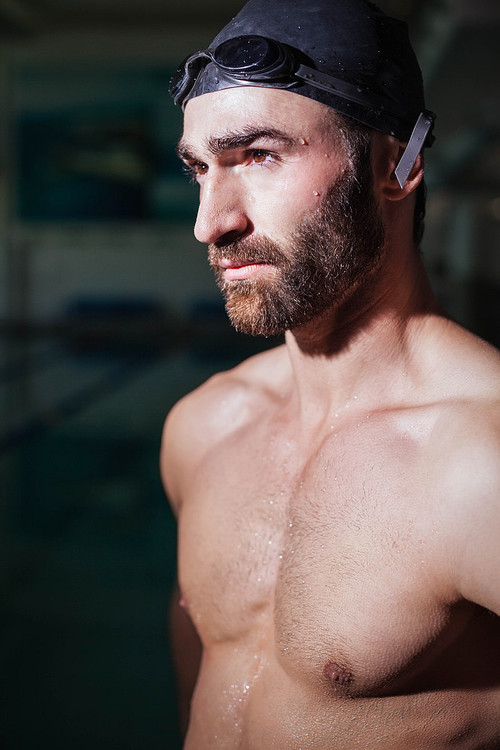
(331, 254)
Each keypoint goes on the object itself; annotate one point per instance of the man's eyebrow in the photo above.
(184, 152)
(218, 144)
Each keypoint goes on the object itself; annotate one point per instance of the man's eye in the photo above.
(260, 156)
(196, 170)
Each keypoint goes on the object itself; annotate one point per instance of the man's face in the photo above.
(293, 227)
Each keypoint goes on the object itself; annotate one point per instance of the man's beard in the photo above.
(331, 253)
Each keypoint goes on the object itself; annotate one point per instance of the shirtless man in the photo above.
(337, 496)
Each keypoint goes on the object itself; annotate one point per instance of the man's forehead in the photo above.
(250, 108)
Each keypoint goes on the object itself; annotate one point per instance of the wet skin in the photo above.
(337, 496)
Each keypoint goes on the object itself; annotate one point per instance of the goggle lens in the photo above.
(242, 57)
(247, 54)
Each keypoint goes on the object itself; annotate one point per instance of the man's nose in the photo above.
(221, 212)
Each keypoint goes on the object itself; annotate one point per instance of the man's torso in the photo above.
(318, 570)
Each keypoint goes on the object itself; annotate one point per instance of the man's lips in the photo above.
(237, 270)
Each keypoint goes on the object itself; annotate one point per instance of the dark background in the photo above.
(108, 314)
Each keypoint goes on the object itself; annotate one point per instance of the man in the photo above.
(337, 496)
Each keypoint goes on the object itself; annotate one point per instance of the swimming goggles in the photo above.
(258, 59)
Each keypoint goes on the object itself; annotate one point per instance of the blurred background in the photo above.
(108, 314)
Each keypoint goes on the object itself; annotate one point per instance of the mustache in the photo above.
(247, 250)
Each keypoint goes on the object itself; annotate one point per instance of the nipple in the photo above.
(336, 674)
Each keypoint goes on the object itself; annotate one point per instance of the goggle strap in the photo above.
(333, 85)
(414, 147)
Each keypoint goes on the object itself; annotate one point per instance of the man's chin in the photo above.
(251, 315)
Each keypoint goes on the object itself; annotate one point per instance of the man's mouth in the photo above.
(239, 270)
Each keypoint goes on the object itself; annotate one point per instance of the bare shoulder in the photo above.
(466, 380)
(467, 472)
(224, 404)
(464, 462)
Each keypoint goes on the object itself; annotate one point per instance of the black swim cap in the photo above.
(346, 54)
(350, 40)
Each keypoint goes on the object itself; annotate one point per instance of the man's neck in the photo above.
(364, 353)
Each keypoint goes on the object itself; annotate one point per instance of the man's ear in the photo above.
(387, 152)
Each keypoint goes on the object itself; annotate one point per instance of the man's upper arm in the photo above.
(191, 428)
(168, 460)
(478, 558)
(197, 424)
(177, 448)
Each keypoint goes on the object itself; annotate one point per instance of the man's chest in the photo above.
(330, 553)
